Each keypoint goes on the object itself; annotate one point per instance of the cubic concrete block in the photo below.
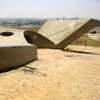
(16, 55)
(14, 49)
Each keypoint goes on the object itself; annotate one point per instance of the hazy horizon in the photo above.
(49, 8)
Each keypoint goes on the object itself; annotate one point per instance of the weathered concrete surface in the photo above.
(62, 32)
(16, 38)
(58, 33)
(18, 55)
(14, 49)
(38, 39)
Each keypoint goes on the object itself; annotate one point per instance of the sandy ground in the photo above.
(55, 76)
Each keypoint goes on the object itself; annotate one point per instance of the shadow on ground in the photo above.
(31, 70)
(83, 52)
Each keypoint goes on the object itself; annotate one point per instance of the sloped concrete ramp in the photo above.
(14, 49)
(60, 33)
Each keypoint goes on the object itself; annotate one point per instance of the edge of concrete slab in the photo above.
(15, 56)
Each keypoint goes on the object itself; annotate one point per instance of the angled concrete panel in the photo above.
(60, 33)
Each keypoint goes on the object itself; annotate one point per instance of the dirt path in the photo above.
(55, 76)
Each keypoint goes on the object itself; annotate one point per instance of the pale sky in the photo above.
(50, 8)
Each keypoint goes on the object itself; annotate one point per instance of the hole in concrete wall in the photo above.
(6, 34)
(93, 32)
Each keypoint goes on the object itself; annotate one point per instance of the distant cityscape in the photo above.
(28, 22)
(22, 22)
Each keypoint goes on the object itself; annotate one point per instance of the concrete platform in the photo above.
(17, 36)
(14, 49)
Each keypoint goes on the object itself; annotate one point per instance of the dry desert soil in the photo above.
(56, 75)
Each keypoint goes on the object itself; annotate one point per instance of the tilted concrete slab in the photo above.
(60, 33)
(14, 49)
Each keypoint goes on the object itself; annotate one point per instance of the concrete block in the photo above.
(16, 55)
(14, 49)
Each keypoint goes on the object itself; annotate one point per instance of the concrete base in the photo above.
(16, 55)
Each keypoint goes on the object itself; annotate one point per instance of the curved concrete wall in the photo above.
(37, 39)
(59, 33)
(12, 56)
